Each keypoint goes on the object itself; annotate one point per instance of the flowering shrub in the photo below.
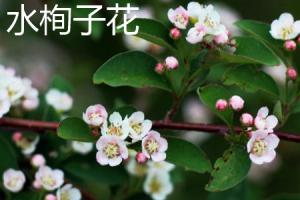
(113, 144)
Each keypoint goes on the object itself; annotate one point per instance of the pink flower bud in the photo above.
(171, 62)
(159, 68)
(246, 119)
(141, 158)
(236, 103)
(291, 73)
(36, 185)
(38, 160)
(221, 104)
(175, 33)
(17, 136)
(50, 197)
(222, 38)
(290, 45)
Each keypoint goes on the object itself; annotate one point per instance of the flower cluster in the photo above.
(60, 101)
(115, 130)
(262, 143)
(16, 92)
(46, 179)
(287, 29)
(204, 23)
(157, 183)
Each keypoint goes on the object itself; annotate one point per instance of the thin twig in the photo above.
(42, 126)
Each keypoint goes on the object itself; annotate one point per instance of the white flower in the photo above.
(31, 96)
(211, 20)
(28, 146)
(13, 180)
(179, 17)
(82, 147)
(194, 9)
(196, 34)
(139, 127)
(95, 115)
(162, 166)
(6, 72)
(116, 126)
(4, 102)
(264, 122)
(154, 146)
(158, 185)
(261, 147)
(68, 192)
(15, 88)
(60, 101)
(111, 150)
(50, 179)
(285, 28)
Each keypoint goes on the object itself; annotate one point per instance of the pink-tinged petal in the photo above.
(103, 140)
(271, 122)
(171, 14)
(154, 134)
(260, 134)
(163, 144)
(269, 156)
(158, 157)
(263, 112)
(259, 123)
(115, 161)
(256, 159)
(272, 141)
(101, 158)
(250, 144)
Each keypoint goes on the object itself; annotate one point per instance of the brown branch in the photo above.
(41, 126)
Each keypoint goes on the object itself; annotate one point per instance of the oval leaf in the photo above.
(185, 154)
(251, 80)
(209, 96)
(8, 156)
(230, 169)
(153, 31)
(134, 68)
(75, 129)
(255, 50)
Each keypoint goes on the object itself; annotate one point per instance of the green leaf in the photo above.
(133, 68)
(92, 172)
(75, 129)
(209, 96)
(255, 50)
(26, 195)
(230, 169)
(8, 156)
(251, 80)
(184, 154)
(153, 31)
